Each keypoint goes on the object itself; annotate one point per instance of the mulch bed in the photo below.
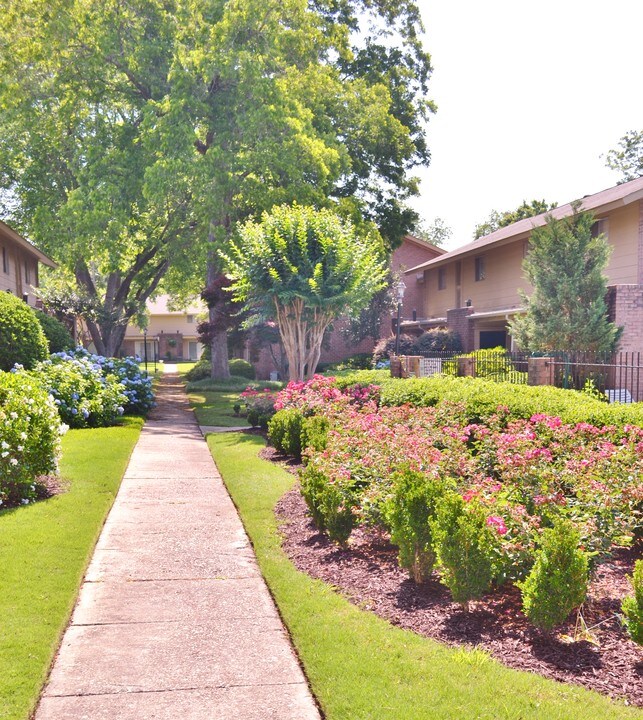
(366, 572)
(46, 486)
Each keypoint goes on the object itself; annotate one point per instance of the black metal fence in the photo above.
(616, 377)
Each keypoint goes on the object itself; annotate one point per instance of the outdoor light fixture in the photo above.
(468, 302)
(399, 288)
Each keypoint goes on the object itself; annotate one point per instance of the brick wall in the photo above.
(408, 255)
(168, 349)
(640, 254)
(459, 321)
(626, 310)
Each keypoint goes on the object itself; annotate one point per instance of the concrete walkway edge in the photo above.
(174, 619)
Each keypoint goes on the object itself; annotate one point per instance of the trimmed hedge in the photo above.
(480, 398)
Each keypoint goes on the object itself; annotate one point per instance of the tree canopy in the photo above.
(567, 309)
(305, 268)
(134, 136)
(627, 158)
(496, 219)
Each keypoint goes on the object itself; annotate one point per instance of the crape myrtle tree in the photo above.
(305, 268)
(567, 308)
(134, 136)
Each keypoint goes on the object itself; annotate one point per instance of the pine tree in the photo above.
(567, 309)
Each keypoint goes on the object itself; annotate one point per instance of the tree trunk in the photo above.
(219, 350)
(219, 343)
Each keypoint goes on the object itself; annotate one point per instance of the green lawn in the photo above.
(44, 550)
(216, 408)
(361, 667)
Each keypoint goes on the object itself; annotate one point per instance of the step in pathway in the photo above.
(174, 619)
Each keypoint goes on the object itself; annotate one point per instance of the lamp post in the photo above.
(399, 287)
(145, 348)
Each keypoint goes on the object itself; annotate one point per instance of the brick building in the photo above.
(474, 289)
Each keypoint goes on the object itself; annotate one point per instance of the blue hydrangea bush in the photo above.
(85, 397)
(30, 432)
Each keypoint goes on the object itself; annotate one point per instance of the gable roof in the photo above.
(25, 245)
(421, 242)
(600, 203)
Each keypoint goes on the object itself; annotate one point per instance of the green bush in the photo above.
(202, 369)
(408, 513)
(242, 368)
(284, 431)
(633, 605)
(386, 347)
(330, 504)
(481, 398)
(437, 339)
(314, 433)
(58, 337)
(30, 431)
(465, 546)
(558, 580)
(22, 340)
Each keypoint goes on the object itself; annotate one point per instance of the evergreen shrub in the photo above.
(22, 340)
(466, 547)
(632, 606)
(58, 336)
(558, 580)
(408, 513)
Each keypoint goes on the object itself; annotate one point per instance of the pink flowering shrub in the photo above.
(259, 405)
(522, 474)
(308, 396)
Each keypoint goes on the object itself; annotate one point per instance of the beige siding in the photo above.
(622, 233)
(437, 302)
(168, 324)
(503, 277)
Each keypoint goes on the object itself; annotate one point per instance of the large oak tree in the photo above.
(134, 136)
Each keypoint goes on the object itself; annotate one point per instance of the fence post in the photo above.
(466, 366)
(541, 371)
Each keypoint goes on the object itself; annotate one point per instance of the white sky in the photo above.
(529, 96)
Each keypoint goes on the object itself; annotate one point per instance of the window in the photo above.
(27, 272)
(442, 278)
(480, 268)
(190, 319)
(5, 260)
(600, 227)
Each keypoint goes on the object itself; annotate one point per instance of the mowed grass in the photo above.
(362, 668)
(216, 408)
(44, 551)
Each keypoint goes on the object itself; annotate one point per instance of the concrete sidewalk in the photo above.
(174, 619)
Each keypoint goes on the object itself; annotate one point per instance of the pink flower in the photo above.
(497, 523)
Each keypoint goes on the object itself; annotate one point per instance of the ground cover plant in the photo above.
(44, 550)
(361, 667)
